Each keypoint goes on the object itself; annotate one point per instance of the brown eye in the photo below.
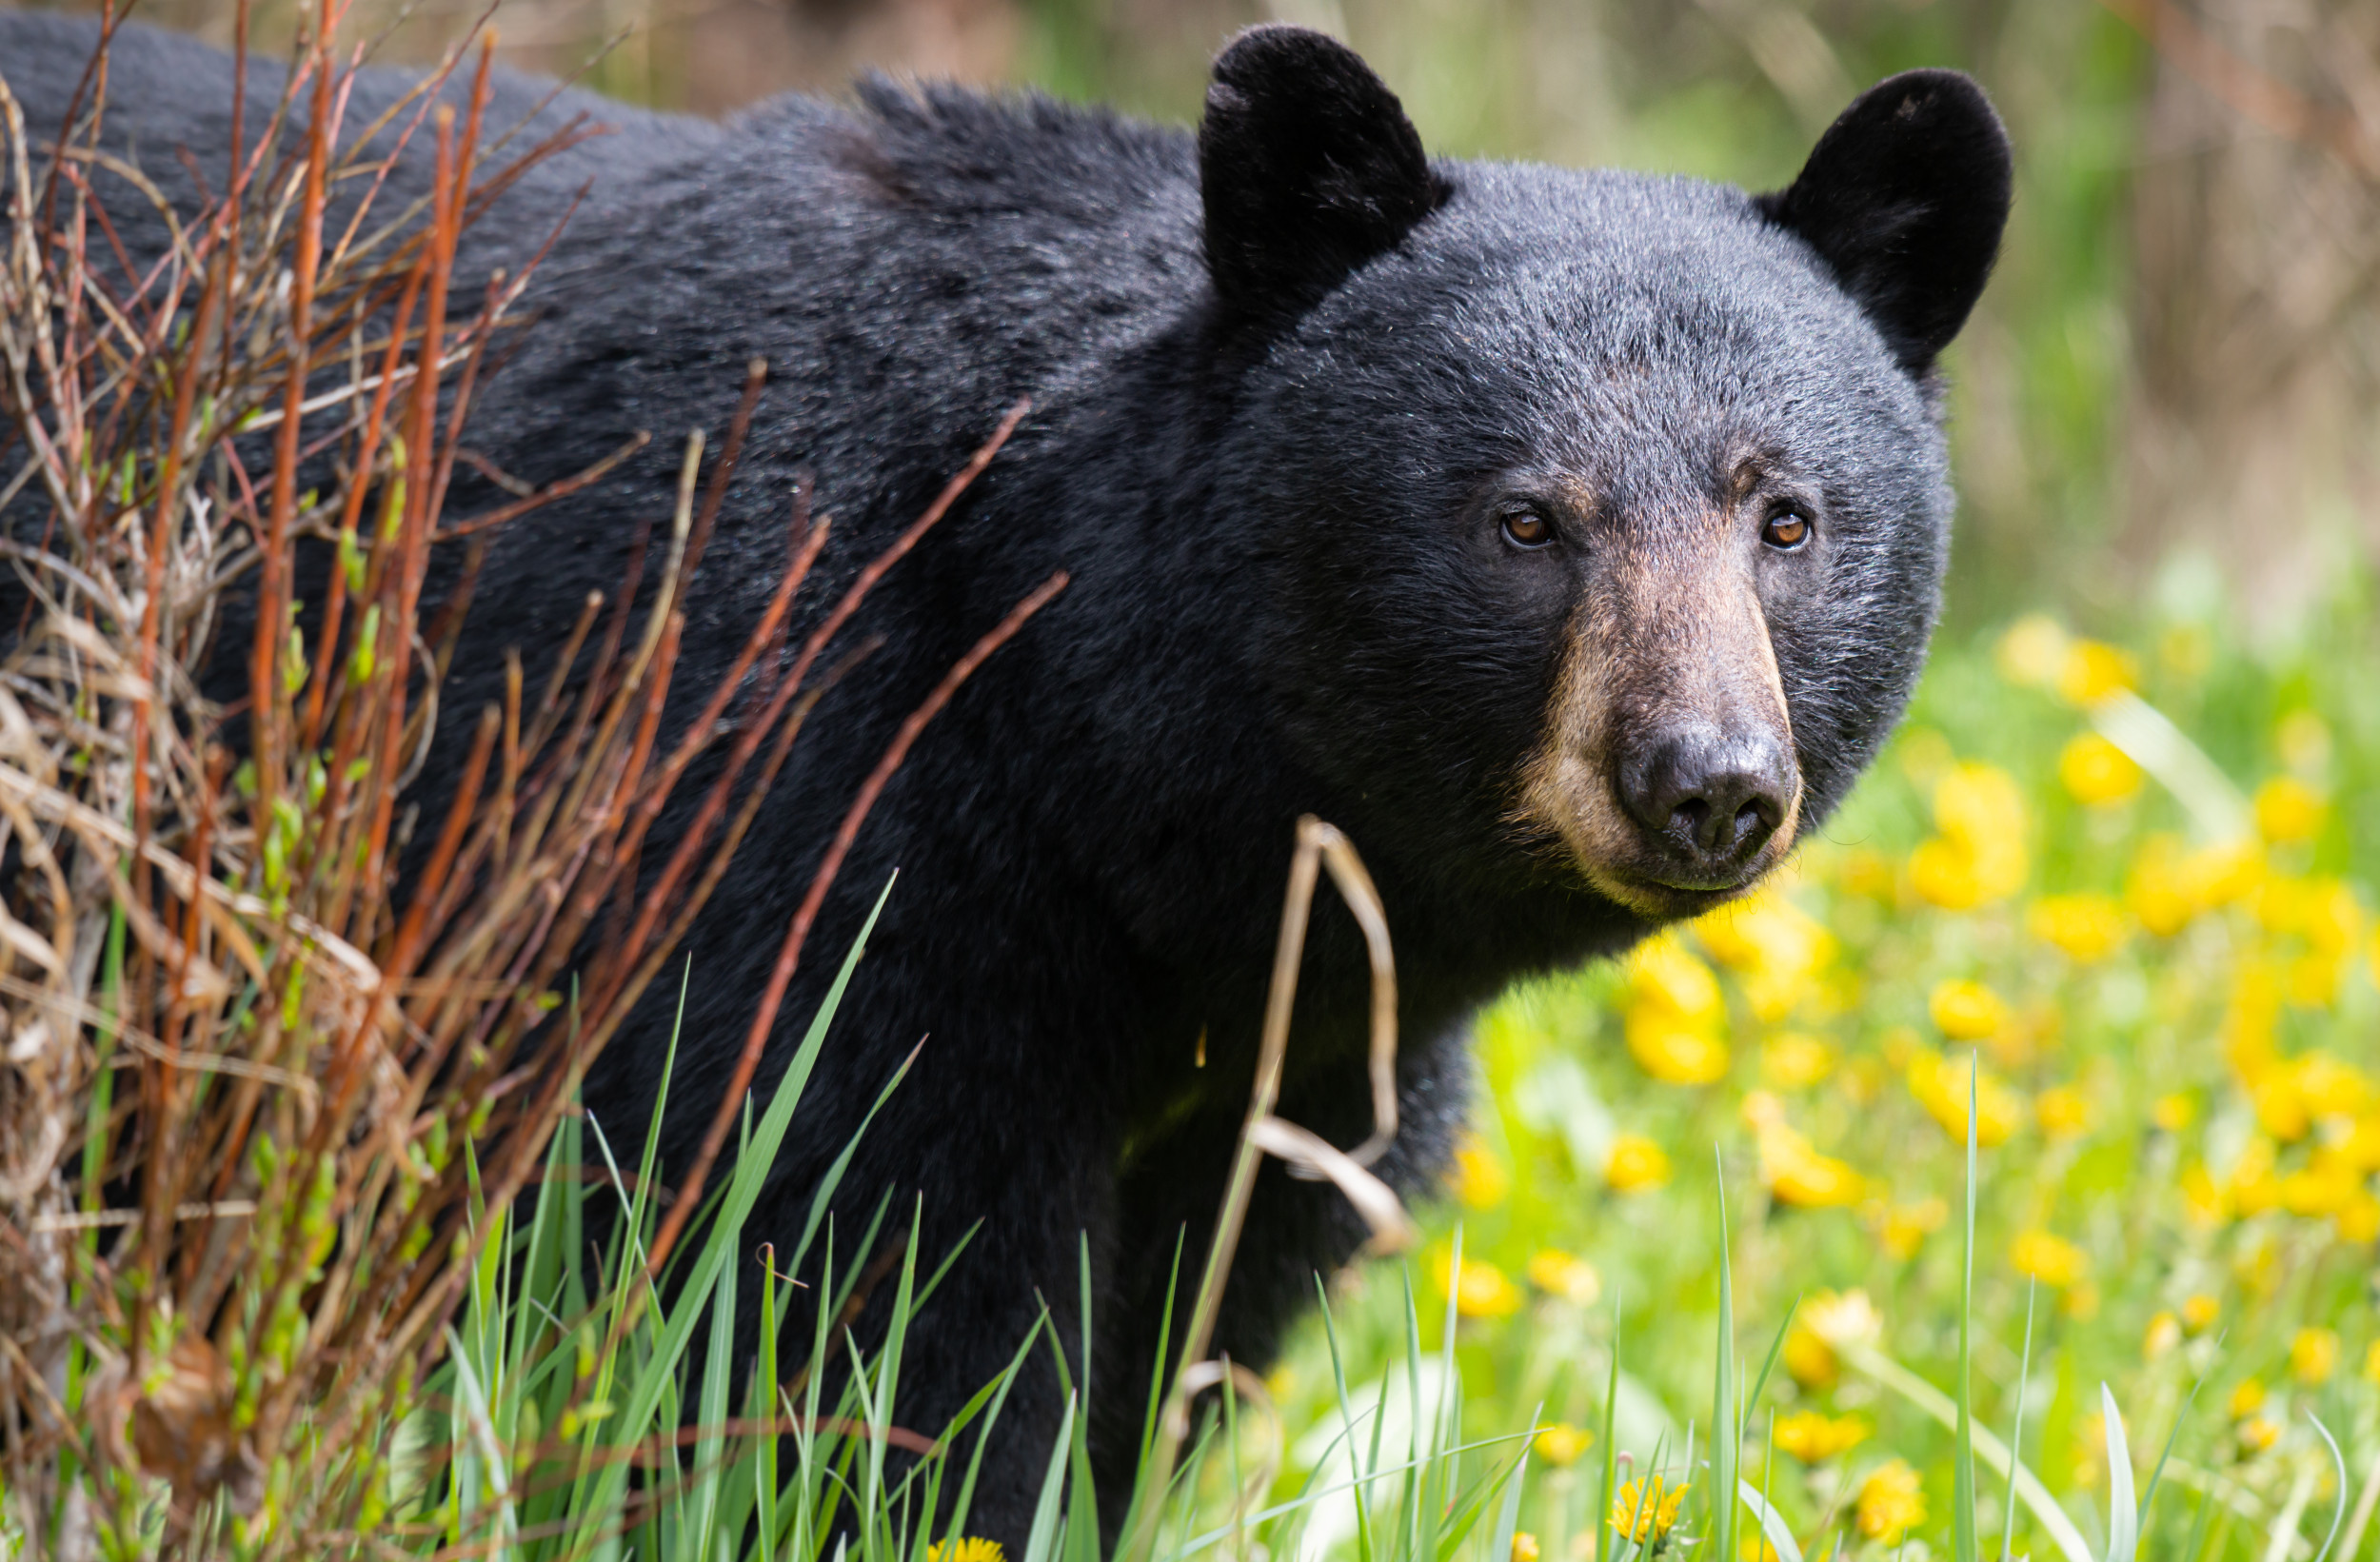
(1786, 531)
(1527, 528)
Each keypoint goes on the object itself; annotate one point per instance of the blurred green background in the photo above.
(2171, 392)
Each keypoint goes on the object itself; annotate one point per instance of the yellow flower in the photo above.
(2246, 1400)
(2170, 886)
(2088, 927)
(1980, 854)
(1561, 1443)
(2199, 1312)
(1480, 1181)
(1776, 946)
(1892, 1502)
(971, 1549)
(2257, 1434)
(1809, 1360)
(2288, 810)
(2093, 671)
(1813, 1438)
(1482, 1292)
(1564, 1274)
(2359, 1223)
(2096, 772)
(1901, 1229)
(2371, 1362)
(2253, 1187)
(1965, 1011)
(2032, 653)
(2314, 1356)
(1675, 1015)
(1637, 1164)
(2173, 1113)
(1846, 1317)
(1795, 1060)
(2063, 1112)
(2054, 1261)
(1942, 1086)
(2163, 1334)
(1524, 1546)
(2206, 1202)
(1647, 1510)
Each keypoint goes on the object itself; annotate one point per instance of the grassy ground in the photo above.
(2167, 982)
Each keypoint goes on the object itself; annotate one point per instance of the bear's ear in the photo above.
(1308, 167)
(1905, 196)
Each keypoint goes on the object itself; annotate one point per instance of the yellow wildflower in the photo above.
(2246, 1400)
(1524, 1546)
(1813, 1438)
(1809, 1359)
(2257, 1434)
(2092, 671)
(1980, 813)
(1663, 972)
(1900, 1229)
(2314, 1356)
(2168, 885)
(1864, 871)
(2206, 1202)
(1675, 1015)
(1795, 1060)
(1482, 1291)
(1637, 1164)
(2288, 810)
(1480, 1181)
(1776, 947)
(2199, 1312)
(2094, 771)
(1965, 1011)
(1892, 1502)
(2173, 1113)
(2322, 1189)
(1564, 1274)
(1561, 1443)
(2163, 1334)
(2054, 1261)
(2032, 653)
(1942, 1086)
(970, 1549)
(2358, 1222)
(2253, 1187)
(2371, 1362)
(1673, 1053)
(1798, 1174)
(2330, 1086)
(1647, 1510)
(2088, 927)
(1944, 876)
(2063, 1111)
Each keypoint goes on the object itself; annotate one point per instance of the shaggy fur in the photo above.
(1292, 384)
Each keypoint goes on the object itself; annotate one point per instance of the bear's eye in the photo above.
(1786, 530)
(1527, 528)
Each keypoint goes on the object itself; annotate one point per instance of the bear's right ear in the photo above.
(1905, 196)
(1308, 167)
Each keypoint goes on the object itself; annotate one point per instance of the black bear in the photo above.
(1570, 540)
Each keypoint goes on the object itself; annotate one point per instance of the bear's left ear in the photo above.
(1905, 196)
(1308, 167)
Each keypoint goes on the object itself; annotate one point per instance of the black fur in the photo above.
(1282, 380)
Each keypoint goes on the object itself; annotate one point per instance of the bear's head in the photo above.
(1601, 516)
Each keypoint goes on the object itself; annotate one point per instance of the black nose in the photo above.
(1709, 799)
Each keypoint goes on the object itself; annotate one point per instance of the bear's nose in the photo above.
(1709, 799)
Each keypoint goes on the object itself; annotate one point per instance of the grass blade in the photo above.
(2017, 1431)
(1773, 1525)
(2123, 1513)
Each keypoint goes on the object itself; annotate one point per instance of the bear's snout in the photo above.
(1708, 799)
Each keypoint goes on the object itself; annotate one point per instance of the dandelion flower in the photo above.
(2092, 671)
(2314, 1356)
(1942, 1086)
(1794, 1060)
(1776, 947)
(1564, 1274)
(1892, 1502)
(1561, 1444)
(1636, 1165)
(1965, 1011)
(2063, 1111)
(2257, 1434)
(1524, 1546)
(2094, 771)
(2088, 927)
(1647, 1510)
(2163, 1334)
(2371, 1362)
(1901, 1229)
(2173, 1113)
(1482, 1291)
(970, 1549)
(2247, 1398)
(1676, 1015)
(2199, 1312)
(2288, 810)
(1814, 1437)
(1795, 1173)
(2054, 1261)
(1480, 1181)
(1673, 1053)
(1809, 1359)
